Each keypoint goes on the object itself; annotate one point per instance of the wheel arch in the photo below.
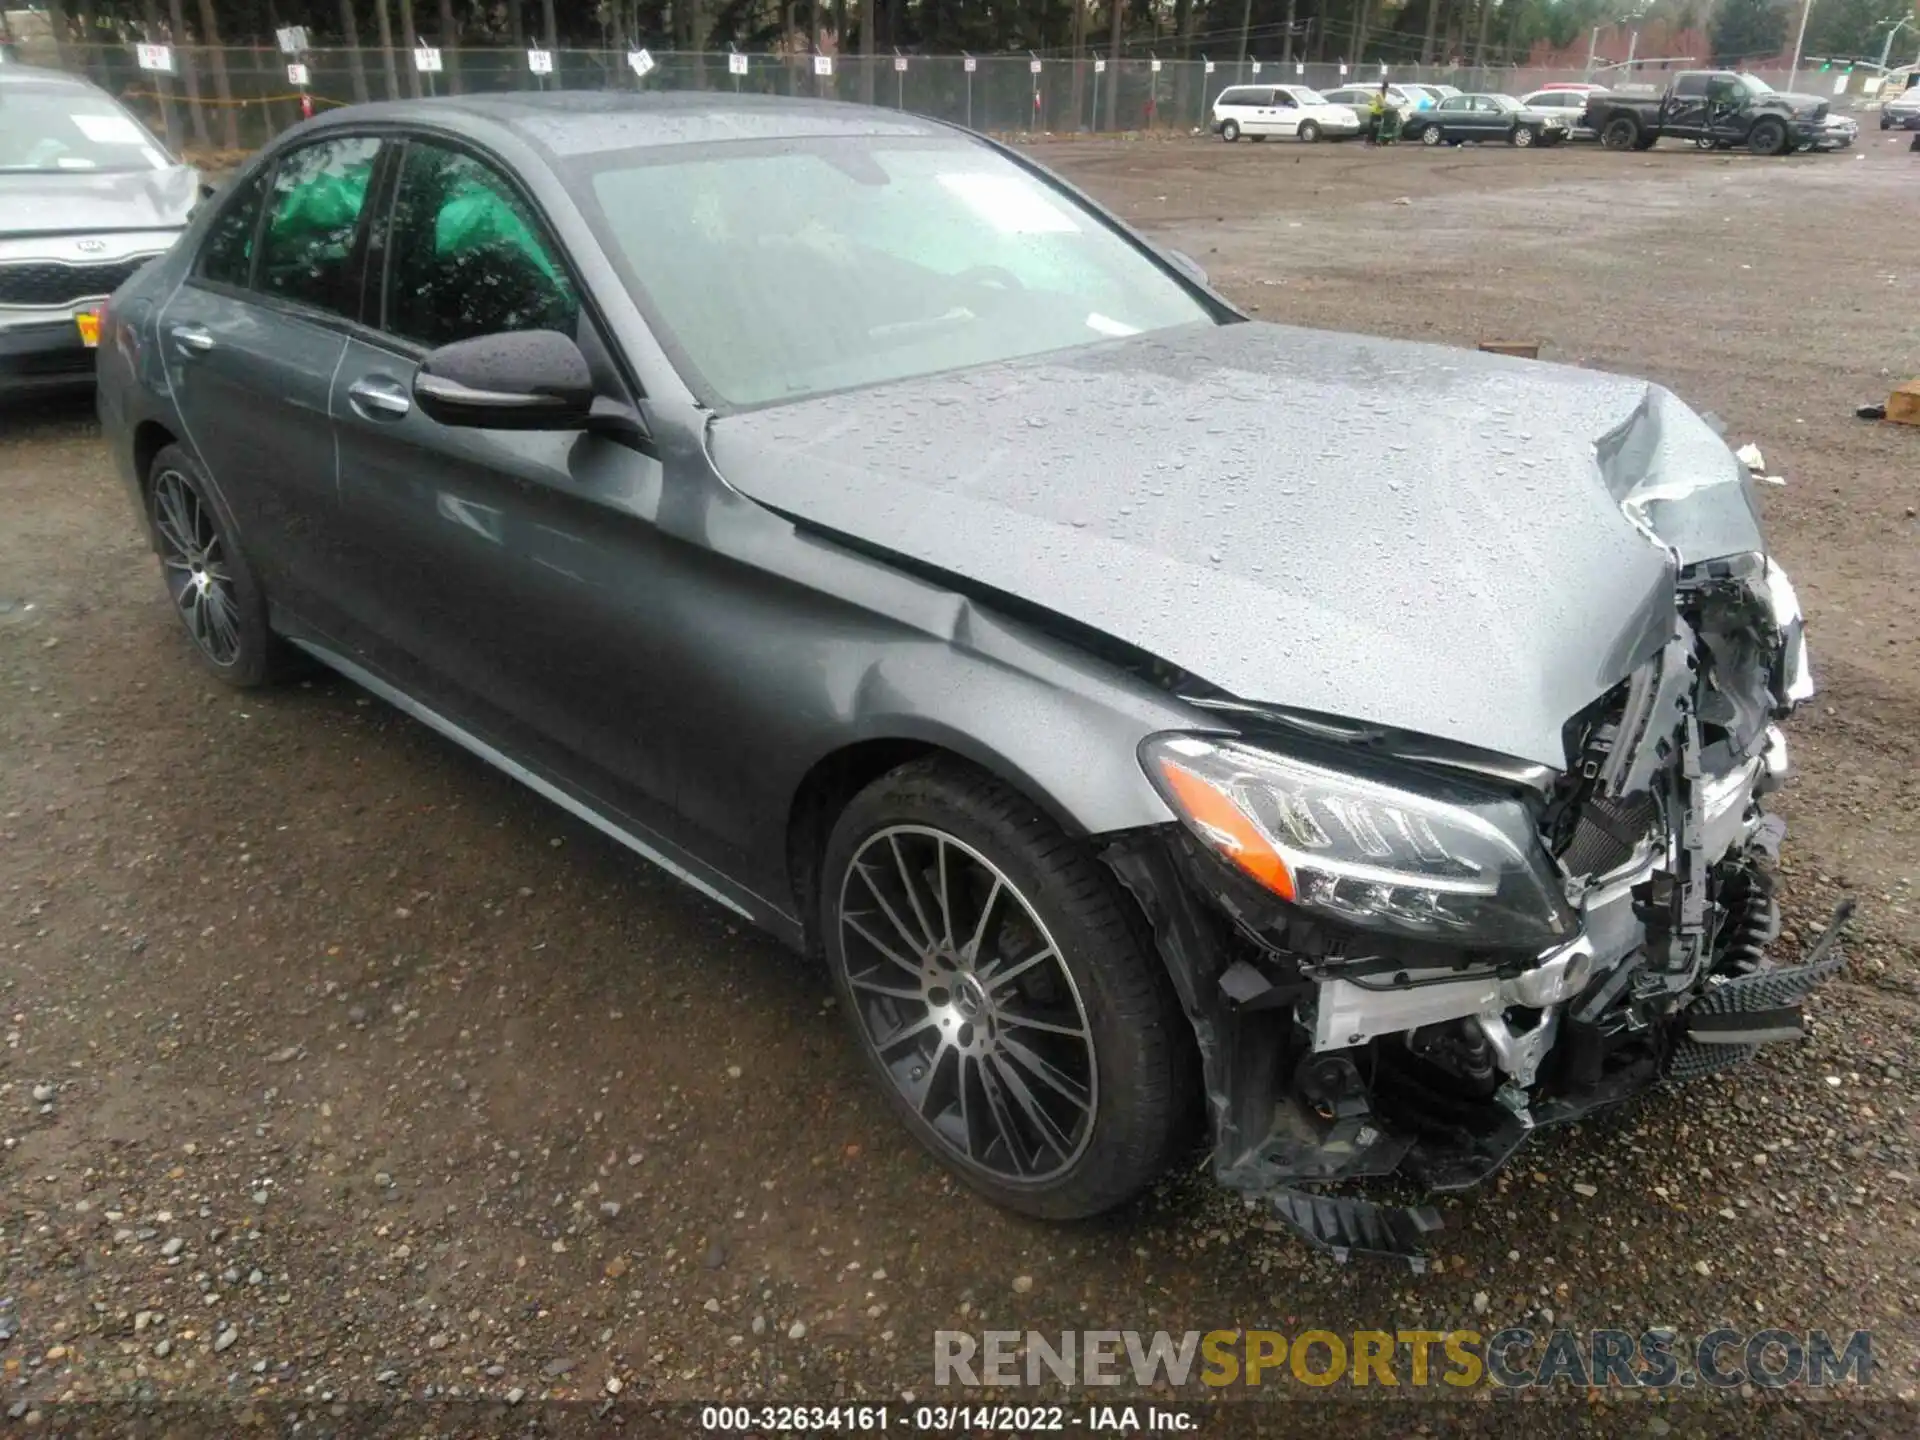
(832, 781)
(150, 437)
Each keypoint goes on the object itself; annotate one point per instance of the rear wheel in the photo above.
(1230, 131)
(208, 579)
(1003, 992)
(1309, 131)
(1620, 133)
(1768, 137)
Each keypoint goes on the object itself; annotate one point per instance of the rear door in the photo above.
(1687, 105)
(500, 577)
(251, 341)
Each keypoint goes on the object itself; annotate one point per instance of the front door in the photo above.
(252, 339)
(499, 577)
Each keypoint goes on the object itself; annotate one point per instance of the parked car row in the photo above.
(1431, 114)
(1711, 109)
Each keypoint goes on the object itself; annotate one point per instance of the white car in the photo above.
(1258, 111)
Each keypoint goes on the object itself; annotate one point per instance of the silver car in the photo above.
(1569, 105)
(87, 196)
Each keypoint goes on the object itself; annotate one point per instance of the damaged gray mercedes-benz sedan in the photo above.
(1146, 713)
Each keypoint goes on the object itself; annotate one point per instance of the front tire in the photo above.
(1432, 135)
(213, 589)
(1230, 131)
(1522, 138)
(1004, 992)
(1768, 137)
(1309, 132)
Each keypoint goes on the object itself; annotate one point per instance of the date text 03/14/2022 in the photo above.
(951, 1419)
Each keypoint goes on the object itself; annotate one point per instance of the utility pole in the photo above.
(1593, 47)
(1798, 41)
(1246, 24)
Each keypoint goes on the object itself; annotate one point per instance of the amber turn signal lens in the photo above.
(1229, 827)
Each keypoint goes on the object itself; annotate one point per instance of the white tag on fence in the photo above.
(292, 38)
(297, 75)
(540, 62)
(1033, 67)
(1154, 66)
(641, 61)
(1099, 67)
(427, 60)
(972, 64)
(155, 57)
(1256, 67)
(1206, 67)
(899, 64)
(736, 64)
(823, 65)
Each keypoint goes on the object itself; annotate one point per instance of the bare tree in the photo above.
(350, 32)
(1433, 27)
(867, 8)
(1286, 40)
(1079, 91)
(57, 26)
(410, 41)
(189, 72)
(546, 16)
(229, 117)
(385, 26)
(450, 46)
(1117, 20)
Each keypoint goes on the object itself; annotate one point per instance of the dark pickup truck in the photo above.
(1721, 108)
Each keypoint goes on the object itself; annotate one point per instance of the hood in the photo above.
(1455, 544)
(1801, 104)
(72, 202)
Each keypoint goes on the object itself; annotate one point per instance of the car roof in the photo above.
(34, 77)
(586, 121)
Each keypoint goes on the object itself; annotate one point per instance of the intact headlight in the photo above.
(1437, 862)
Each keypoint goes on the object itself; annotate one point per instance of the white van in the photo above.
(1258, 111)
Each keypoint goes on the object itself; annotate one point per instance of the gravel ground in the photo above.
(336, 1066)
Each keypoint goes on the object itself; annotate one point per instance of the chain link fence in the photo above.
(237, 97)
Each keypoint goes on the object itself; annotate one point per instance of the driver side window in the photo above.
(467, 257)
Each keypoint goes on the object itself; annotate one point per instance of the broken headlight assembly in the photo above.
(1411, 856)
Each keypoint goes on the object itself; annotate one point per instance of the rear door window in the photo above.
(308, 250)
(467, 256)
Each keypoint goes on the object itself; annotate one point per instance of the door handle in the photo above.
(192, 339)
(378, 398)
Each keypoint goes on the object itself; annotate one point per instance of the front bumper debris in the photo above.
(1333, 1055)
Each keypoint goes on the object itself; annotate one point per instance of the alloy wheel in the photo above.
(964, 998)
(195, 567)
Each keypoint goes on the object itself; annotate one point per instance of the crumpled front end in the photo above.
(1387, 976)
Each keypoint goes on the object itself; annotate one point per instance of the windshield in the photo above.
(783, 269)
(1753, 84)
(1506, 102)
(1306, 96)
(67, 128)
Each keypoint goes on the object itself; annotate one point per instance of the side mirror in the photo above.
(526, 380)
(1188, 265)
